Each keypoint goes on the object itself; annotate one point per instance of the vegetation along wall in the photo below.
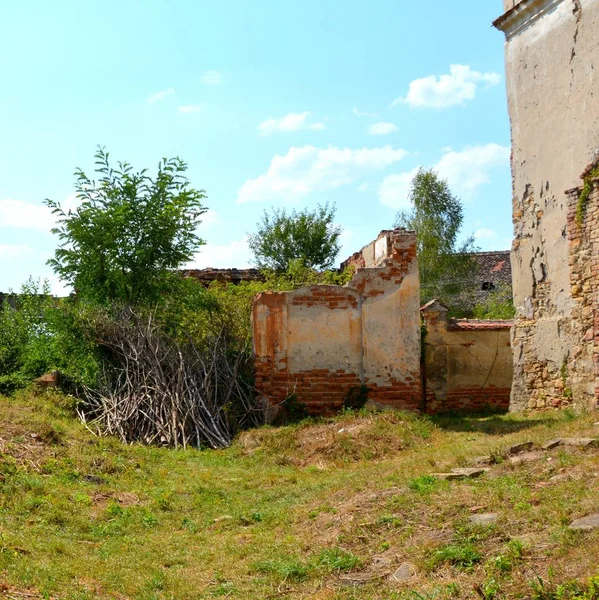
(324, 343)
(467, 363)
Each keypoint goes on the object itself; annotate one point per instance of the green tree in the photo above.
(129, 232)
(437, 217)
(309, 236)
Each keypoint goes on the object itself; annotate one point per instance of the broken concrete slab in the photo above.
(405, 572)
(551, 444)
(457, 474)
(483, 519)
(581, 442)
(519, 448)
(527, 457)
(586, 523)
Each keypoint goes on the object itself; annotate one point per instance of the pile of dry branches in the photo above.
(157, 390)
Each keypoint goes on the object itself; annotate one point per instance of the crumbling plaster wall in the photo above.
(553, 89)
(321, 342)
(468, 363)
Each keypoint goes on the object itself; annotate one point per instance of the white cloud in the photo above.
(484, 233)
(210, 217)
(19, 214)
(290, 122)
(189, 109)
(25, 215)
(457, 87)
(364, 187)
(161, 95)
(212, 78)
(395, 188)
(382, 128)
(361, 113)
(307, 169)
(235, 254)
(465, 172)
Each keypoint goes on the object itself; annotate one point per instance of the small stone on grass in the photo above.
(521, 447)
(457, 474)
(551, 444)
(586, 523)
(483, 519)
(404, 572)
(581, 442)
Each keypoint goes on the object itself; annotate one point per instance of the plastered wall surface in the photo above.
(321, 342)
(468, 363)
(552, 47)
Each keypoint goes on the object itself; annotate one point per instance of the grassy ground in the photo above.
(320, 510)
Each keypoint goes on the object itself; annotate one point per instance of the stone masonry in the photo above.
(551, 51)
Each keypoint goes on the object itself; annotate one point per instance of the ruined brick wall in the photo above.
(321, 342)
(467, 363)
(552, 89)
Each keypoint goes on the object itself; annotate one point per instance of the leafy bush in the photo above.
(499, 305)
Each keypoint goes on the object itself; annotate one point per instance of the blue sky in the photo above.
(271, 103)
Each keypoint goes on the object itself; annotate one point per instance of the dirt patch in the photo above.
(101, 500)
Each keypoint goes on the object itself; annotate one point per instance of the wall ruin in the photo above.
(552, 89)
(321, 343)
(467, 363)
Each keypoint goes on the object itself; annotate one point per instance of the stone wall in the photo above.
(552, 89)
(467, 363)
(322, 343)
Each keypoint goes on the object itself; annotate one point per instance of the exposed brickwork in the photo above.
(576, 379)
(322, 343)
(234, 276)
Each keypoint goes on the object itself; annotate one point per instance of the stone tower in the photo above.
(552, 76)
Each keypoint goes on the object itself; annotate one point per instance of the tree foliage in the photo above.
(309, 236)
(437, 217)
(129, 231)
(498, 305)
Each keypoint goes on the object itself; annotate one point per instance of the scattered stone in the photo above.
(457, 474)
(519, 448)
(406, 571)
(356, 578)
(527, 457)
(581, 442)
(482, 461)
(551, 444)
(586, 523)
(483, 519)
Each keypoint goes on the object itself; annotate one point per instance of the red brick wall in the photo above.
(310, 343)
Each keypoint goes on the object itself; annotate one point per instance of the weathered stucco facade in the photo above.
(323, 343)
(553, 98)
(467, 363)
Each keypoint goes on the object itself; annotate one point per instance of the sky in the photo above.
(272, 103)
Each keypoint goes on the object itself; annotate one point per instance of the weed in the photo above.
(462, 555)
(425, 484)
(337, 559)
(287, 569)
